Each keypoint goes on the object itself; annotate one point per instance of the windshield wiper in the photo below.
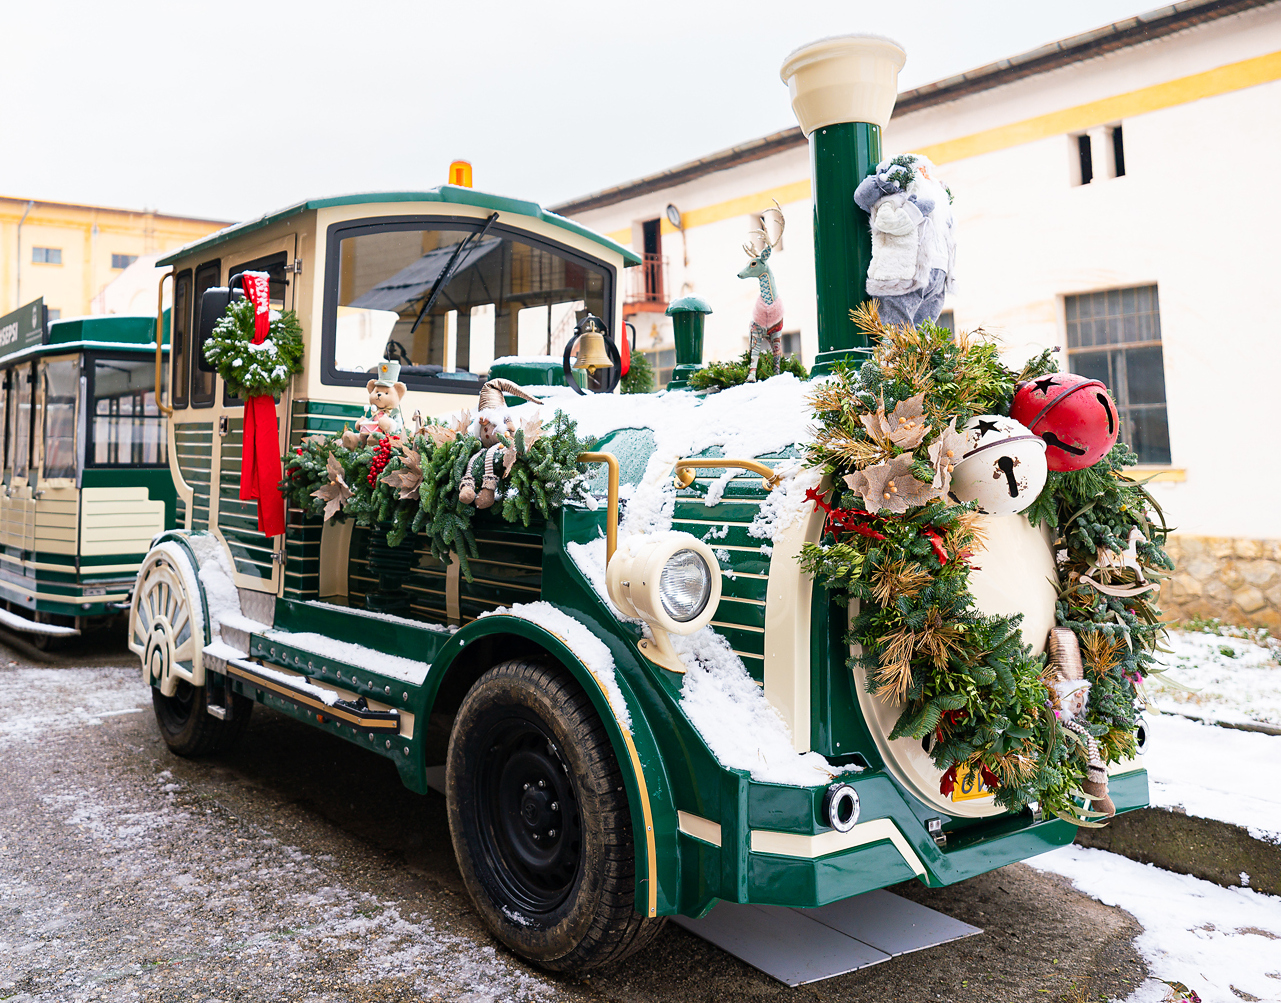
(443, 279)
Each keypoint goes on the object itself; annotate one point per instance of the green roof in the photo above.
(445, 193)
(111, 332)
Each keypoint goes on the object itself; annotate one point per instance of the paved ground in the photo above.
(298, 868)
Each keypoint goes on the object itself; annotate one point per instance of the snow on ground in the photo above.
(1235, 679)
(1214, 772)
(1219, 942)
(68, 700)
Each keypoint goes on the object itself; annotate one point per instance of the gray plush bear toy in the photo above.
(913, 239)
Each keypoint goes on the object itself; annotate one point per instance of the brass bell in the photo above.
(591, 345)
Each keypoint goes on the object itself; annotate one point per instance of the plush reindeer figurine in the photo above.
(767, 313)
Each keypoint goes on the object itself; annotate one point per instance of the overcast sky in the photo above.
(230, 110)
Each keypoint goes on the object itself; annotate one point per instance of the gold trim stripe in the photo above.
(795, 844)
(1183, 90)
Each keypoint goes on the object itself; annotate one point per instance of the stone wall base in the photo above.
(1238, 581)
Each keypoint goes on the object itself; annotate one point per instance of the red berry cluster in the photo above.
(382, 456)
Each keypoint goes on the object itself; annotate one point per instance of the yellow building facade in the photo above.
(68, 253)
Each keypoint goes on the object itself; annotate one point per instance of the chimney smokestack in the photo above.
(843, 91)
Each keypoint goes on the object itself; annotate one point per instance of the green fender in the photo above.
(648, 792)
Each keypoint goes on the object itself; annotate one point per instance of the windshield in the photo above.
(505, 295)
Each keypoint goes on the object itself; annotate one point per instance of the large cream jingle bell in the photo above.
(1003, 467)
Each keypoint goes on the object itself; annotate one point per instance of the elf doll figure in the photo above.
(913, 239)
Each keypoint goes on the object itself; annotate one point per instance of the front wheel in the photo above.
(540, 820)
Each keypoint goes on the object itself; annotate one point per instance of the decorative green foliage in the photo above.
(966, 681)
(251, 370)
(722, 375)
(640, 375)
(417, 490)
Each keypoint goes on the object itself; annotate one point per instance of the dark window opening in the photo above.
(60, 379)
(123, 260)
(792, 344)
(208, 275)
(1118, 152)
(1086, 158)
(651, 237)
(180, 337)
(1115, 336)
(46, 255)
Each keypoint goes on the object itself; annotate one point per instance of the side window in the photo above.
(127, 429)
(4, 424)
(180, 338)
(59, 382)
(208, 275)
(20, 439)
(1115, 336)
(274, 266)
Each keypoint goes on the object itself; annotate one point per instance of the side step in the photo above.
(15, 622)
(798, 946)
(325, 702)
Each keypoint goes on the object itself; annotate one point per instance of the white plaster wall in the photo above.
(1196, 214)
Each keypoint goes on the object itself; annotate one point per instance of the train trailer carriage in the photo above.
(86, 468)
(649, 703)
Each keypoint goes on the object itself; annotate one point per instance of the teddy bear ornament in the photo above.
(1003, 466)
(382, 414)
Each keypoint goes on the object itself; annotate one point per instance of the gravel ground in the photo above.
(298, 868)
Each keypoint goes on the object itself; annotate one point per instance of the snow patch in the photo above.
(582, 642)
(1233, 679)
(742, 728)
(1219, 942)
(394, 666)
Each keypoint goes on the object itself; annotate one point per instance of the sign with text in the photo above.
(22, 328)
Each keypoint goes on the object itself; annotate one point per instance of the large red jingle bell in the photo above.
(1074, 415)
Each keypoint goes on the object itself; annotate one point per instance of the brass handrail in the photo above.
(611, 517)
(684, 470)
(164, 408)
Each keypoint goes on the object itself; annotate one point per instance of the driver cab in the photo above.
(451, 283)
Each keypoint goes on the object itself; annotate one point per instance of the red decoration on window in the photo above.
(260, 451)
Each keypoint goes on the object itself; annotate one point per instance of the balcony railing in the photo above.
(647, 285)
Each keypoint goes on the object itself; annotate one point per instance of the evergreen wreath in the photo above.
(966, 680)
(410, 483)
(251, 370)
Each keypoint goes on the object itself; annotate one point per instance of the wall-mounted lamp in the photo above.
(674, 217)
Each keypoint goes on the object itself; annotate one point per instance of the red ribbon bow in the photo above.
(260, 452)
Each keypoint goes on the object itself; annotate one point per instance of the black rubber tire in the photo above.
(187, 726)
(524, 719)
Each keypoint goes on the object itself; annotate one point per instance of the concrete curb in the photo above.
(1203, 847)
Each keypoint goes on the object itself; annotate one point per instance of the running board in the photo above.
(15, 622)
(326, 703)
(798, 946)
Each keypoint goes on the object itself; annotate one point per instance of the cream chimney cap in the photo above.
(845, 78)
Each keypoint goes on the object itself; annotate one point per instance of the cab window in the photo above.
(208, 275)
(180, 341)
(508, 293)
(274, 266)
(126, 428)
(20, 419)
(59, 379)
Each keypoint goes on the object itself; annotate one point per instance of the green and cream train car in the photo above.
(86, 468)
(584, 804)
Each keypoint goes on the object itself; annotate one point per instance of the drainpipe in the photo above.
(843, 91)
(18, 298)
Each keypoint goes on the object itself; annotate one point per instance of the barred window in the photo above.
(1115, 336)
(663, 362)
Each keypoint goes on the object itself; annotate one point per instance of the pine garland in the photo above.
(251, 370)
(965, 678)
(723, 375)
(417, 490)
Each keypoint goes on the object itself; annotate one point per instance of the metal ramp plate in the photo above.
(797, 946)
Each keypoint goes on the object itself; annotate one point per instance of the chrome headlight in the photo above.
(685, 585)
(669, 580)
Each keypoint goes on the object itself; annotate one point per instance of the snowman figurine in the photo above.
(1003, 466)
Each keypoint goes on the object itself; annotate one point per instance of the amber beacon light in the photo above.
(460, 173)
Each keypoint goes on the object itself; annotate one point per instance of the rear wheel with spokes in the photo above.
(540, 820)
